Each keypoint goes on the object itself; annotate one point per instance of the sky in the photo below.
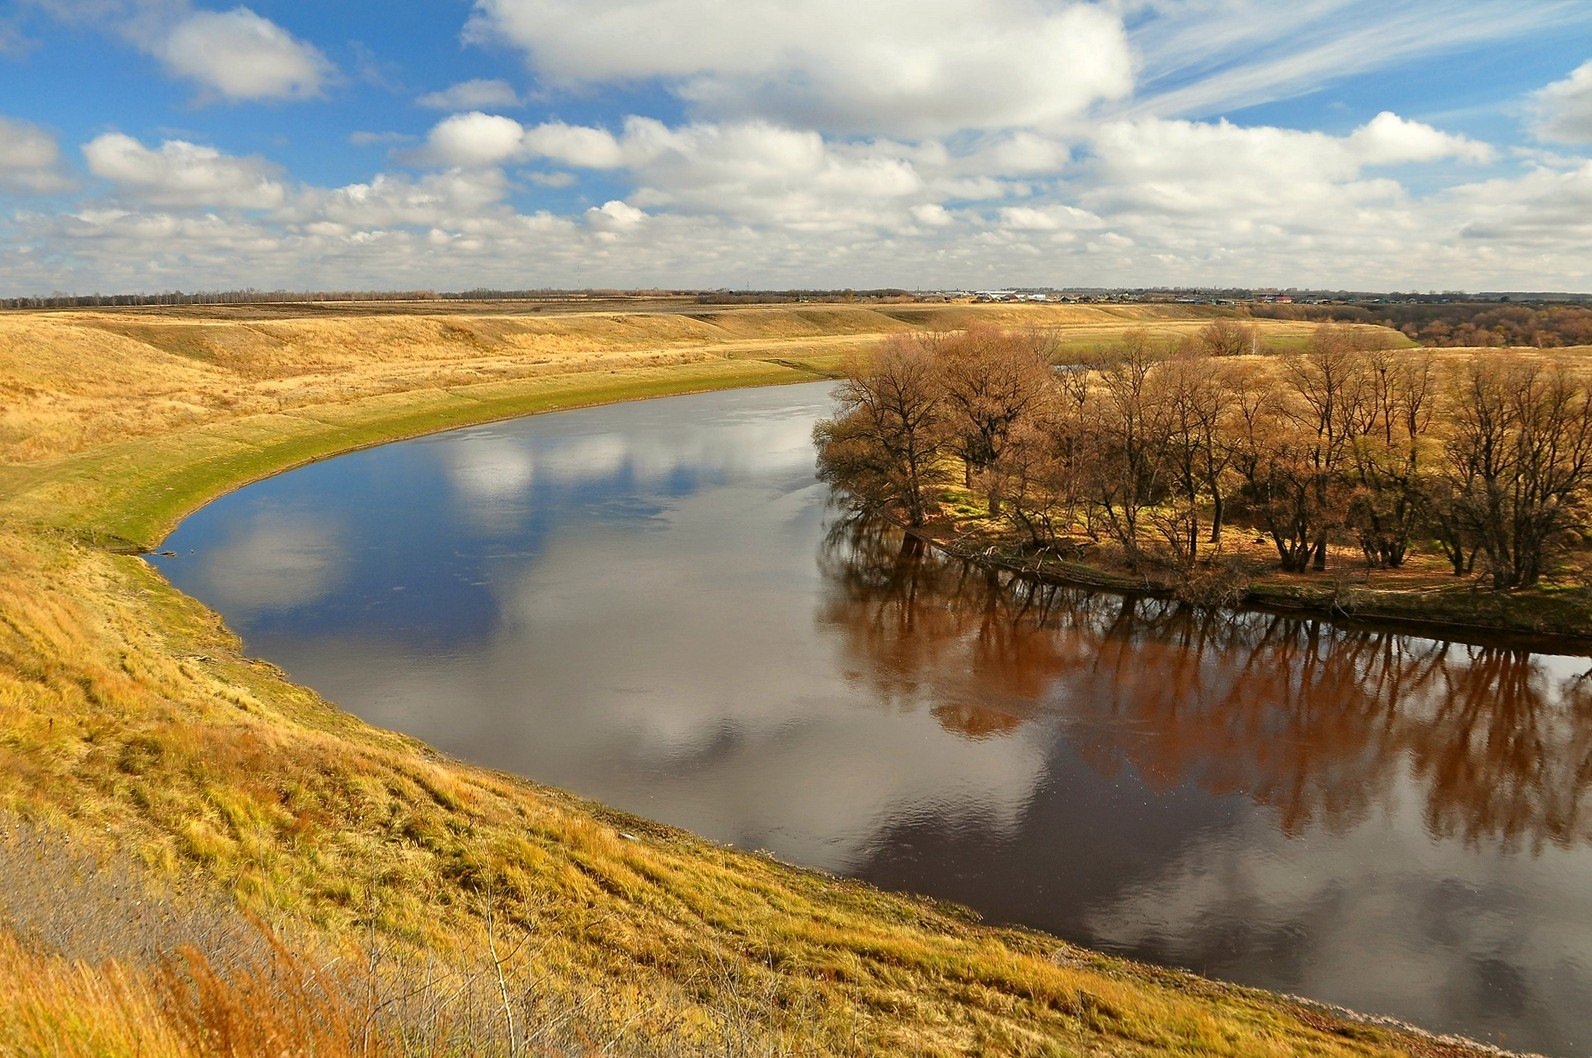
(152, 145)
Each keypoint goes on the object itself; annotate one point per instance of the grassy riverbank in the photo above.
(1422, 596)
(134, 731)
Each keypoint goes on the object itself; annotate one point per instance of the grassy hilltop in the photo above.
(159, 789)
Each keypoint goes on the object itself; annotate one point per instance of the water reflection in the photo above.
(1417, 823)
(1315, 722)
(273, 561)
(625, 601)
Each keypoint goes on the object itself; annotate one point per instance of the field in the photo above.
(175, 793)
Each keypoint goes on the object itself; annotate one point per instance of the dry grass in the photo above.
(71, 380)
(131, 722)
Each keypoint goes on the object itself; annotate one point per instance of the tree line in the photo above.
(1160, 451)
(1454, 324)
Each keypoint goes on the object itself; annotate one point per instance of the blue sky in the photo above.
(171, 144)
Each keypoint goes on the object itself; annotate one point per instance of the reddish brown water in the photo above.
(653, 605)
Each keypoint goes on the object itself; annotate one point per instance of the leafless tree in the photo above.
(1391, 460)
(884, 446)
(1519, 462)
(993, 381)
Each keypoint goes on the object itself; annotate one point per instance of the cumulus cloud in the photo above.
(240, 55)
(759, 173)
(476, 94)
(1018, 153)
(1564, 108)
(474, 139)
(231, 55)
(1051, 218)
(615, 216)
(180, 173)
(900, 67)
(30, 160)
(1545, 208)
(582, 147)
(1388, 139)
(1223, 170)
(457, 199)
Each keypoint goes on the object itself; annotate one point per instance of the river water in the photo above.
(655, 605)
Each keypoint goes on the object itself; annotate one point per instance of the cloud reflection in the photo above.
(498, 471)
(268, 562)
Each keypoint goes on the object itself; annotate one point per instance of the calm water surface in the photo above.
(653, 605)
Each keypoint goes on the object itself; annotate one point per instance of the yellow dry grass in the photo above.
(70, 380)
(130, 719)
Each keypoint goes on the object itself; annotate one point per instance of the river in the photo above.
(655, 605)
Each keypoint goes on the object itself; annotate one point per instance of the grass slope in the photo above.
(131, 722)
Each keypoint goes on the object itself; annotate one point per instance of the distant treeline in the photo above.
(1458, 323)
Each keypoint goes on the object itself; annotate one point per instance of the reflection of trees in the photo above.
(931, 631)
(1317, 722)
(1507, 743)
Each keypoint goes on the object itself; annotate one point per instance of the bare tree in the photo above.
(1390, 460)
(1126, 443)
(1331, 407)
(885, 445)
(1193, 402)
(1225, 337)
(1519, 462)
(992, 382)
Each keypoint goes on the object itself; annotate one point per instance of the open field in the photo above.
(133, 729)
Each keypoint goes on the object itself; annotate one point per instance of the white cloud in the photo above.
(903, 67)
(30, 160)
(1218, 171)
(456, 199)
(1564, 108)
(232, 55)
(1018, 153)
(474, 139)
(582, 147)
(1544, 209)
(1052, 218)
(1186, 166)
(183, 174)
(764, 174)
(615, 216)
(241, 55)
(1388, 139)
(477, 94)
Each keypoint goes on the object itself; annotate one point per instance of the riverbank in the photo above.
(135, 727)
(1421, 598)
